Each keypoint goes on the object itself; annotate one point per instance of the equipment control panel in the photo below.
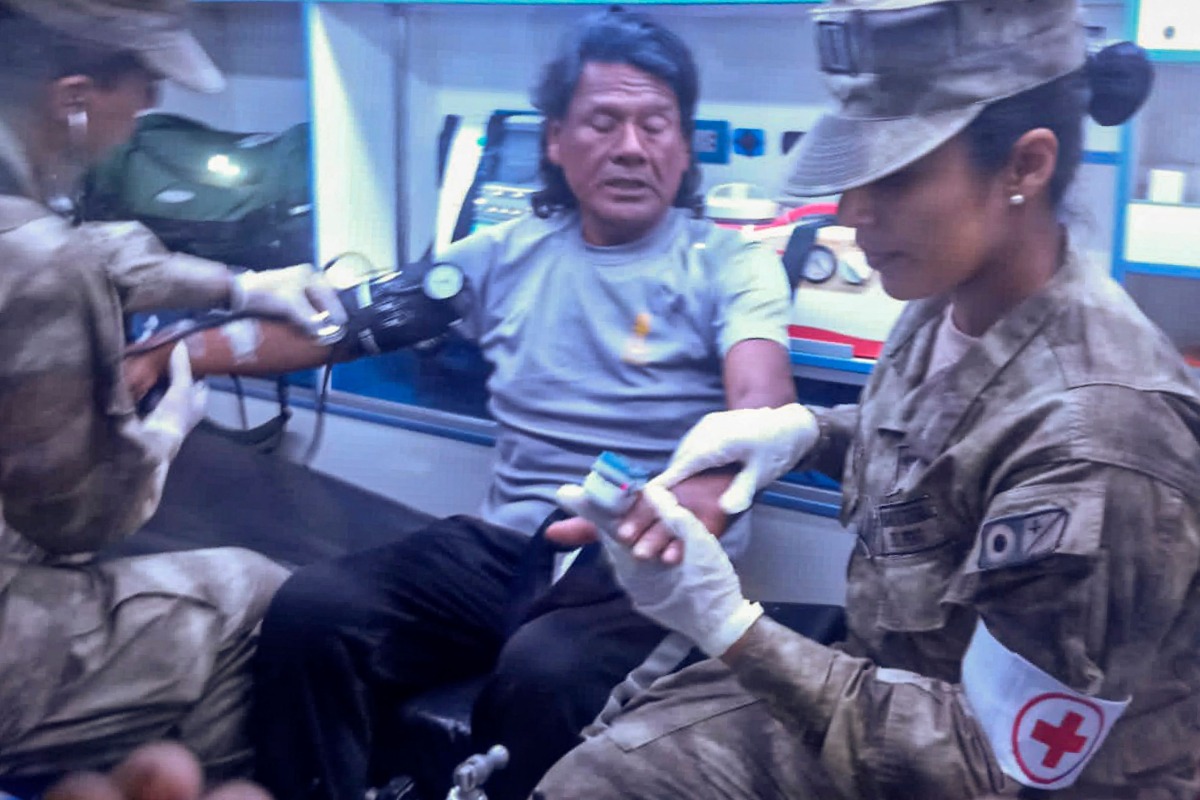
(499, 202)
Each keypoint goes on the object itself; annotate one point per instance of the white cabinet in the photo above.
(1169, 25)
(1159, 264)
(1163, 234)
(1162, 222)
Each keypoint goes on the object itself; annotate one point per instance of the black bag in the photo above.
(241, 199)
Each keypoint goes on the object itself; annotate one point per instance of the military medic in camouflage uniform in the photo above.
(97, 658)
(1022, 473)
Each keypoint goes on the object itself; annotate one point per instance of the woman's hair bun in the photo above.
(1120, 77)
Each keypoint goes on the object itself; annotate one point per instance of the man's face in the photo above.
(622, 149)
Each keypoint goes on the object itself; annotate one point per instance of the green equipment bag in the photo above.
(241, 199)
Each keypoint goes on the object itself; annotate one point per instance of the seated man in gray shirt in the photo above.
(614, 319)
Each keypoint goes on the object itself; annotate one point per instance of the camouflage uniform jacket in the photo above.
(96, 657)
(1047, 484)
(77, 468)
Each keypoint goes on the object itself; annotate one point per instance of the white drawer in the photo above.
(1163, 234)
(1169, 25)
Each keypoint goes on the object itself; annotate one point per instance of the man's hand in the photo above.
(143, 370)
(641, 529)
(154, 772)
(700, 597)
(298, 294)
(766, 442)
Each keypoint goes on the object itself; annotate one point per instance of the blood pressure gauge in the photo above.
(442, 282)
(854, 269)
(820, 264)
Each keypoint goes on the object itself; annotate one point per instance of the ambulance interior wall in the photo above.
(261, 49)
(757, 71)
(757, 68)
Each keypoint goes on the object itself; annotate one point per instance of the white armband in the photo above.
(1042, 732)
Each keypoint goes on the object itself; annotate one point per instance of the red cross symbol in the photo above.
(1048, 753)
(1060, 739)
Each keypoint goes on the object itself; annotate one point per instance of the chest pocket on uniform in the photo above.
(910, 557)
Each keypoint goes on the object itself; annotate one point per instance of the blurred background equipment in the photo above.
(243, 199)
(470, 775)
(489, 169)
(739, 202)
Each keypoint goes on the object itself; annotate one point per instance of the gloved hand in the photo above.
(700, 597)
(767, 442)
(298, 294)
(182, 405)
(143, 371)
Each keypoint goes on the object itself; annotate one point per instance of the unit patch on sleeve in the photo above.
(1014, 540)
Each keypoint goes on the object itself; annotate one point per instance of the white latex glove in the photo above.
(767, 442)
(182, 405)
(299, 294)
(701, 597)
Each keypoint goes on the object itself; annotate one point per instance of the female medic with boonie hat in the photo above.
(98, 657)
(1022, 474)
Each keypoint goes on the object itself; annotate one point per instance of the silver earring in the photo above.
(63, 184)
(1017, 199)
(77, 128)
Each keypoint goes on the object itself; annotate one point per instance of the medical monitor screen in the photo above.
(520, 151)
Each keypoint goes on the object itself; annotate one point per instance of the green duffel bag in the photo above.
(242, 199)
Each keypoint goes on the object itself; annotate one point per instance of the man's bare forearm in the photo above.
(254, 347)
(245, 347)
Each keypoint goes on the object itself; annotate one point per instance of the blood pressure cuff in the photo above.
(392, 312)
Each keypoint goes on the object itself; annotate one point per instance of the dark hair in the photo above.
(33, 52)
(1110, 88)
(615, 37)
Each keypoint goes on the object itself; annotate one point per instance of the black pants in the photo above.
(344, 639)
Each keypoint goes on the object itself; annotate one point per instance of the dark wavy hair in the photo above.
(615, 36)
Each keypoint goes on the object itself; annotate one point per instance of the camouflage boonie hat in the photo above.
(910, 74)
(155, 30)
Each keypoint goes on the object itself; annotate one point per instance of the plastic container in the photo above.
(742, 203)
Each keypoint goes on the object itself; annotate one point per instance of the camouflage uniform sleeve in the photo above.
(837, 426)
(1111, 546)
(147, 276)
(77, 468)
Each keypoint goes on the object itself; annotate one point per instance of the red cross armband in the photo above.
(1042, 732)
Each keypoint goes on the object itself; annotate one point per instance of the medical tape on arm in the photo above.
(244, 336)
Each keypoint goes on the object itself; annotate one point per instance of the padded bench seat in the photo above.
(429, 735)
